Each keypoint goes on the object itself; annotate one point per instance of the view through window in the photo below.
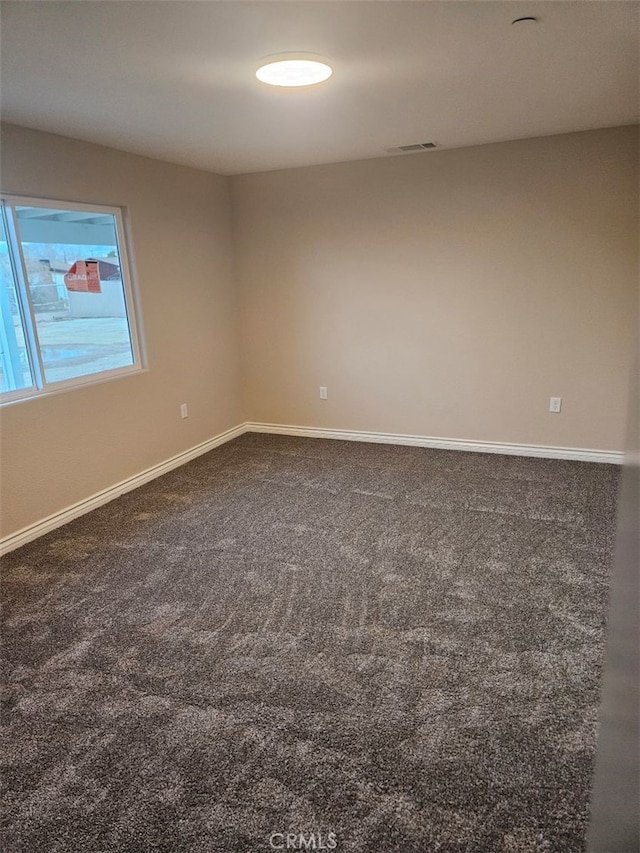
(65, 296)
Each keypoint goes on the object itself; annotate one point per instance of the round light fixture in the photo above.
(293, 72)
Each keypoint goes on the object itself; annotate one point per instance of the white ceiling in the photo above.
(175, 80)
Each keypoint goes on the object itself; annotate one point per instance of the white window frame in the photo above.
(41, 387)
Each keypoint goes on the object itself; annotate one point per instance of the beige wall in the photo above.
(444, 294)
(61, 449)
(449, 293)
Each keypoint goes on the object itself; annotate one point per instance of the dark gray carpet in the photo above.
(396, 645)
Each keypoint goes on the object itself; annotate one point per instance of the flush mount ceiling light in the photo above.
(293, 71)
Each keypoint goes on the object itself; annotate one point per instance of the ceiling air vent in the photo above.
(410, 149)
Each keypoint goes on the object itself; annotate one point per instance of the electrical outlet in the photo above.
(555, 404)
(184, 411)
(323, 392)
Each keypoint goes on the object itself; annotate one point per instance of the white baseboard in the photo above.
(58, 519)
(578, 454)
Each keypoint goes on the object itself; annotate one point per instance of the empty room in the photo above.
(317, 397)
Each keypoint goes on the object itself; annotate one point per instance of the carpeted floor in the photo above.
(398, 646)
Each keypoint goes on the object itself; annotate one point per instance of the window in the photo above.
(65, 297)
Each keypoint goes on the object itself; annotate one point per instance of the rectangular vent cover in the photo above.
(409, 149)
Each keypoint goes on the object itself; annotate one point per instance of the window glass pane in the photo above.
(77, 293)
(15, 372)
